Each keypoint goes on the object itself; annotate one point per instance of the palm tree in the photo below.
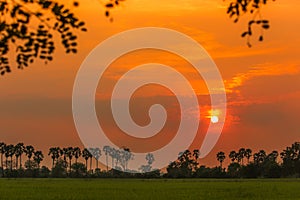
(259, 157)
(113, 154)
(272, 156)
(221, 157)
(150, 158)
(96, 153)
(233, 156)
(69, 152)
(106, 150)
(2, 151)
(76, 153)
(63, 152)
(54, 152)
(9, 152)
(19, 150)
(38, 157)
(86, 155)
(248, 154)
(29, 150)
(127, 156)
(241, 155)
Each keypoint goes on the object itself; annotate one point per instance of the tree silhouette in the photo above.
(248, 154)
(29, 26)
(69, 152)
(221, 157)
(38, 157)
(29, 150)
(77, 153)
(241, 154)
(2, 151)
(96, 153)
(233, 156)
(106, 150)
(237, 8)
(54, 152)
(86, 155)
(19, 150)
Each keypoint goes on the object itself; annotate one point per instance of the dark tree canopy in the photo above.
(237, 8)
(27, 27)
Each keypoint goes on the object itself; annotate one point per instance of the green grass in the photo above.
(44, 189)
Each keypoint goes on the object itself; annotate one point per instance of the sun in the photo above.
(214, 119)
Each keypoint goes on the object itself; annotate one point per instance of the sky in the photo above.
(262, 83)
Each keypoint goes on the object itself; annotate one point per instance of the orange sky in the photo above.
(262, 82)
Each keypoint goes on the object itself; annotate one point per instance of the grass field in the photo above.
(148, 189)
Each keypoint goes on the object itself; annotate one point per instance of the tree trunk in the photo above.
(70, 161)
(11, 163)
(17, 159)
(106, 163)
(97, 164)
(91, 161)
(20, 161)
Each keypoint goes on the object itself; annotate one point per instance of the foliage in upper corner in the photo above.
(27, 26)
(110, 5)
(238, 7)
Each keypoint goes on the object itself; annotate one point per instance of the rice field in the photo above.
(149, 189)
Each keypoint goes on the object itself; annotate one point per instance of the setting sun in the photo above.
(214, 119)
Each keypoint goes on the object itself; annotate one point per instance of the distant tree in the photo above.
(86, 155)
(38, 158)
(221, 157)
(233, 156)
(96, 153)
(248, 154)
(9, 153)
(55, 153)
(76, 153)
(2, 151)
(78, 170)
(150, 158)
(106, 150)
(19, 150)
(69, 152)
(240, 155)
(60, 169)
(259, 157)
(29, 150)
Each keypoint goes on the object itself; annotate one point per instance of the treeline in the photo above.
(66, 163)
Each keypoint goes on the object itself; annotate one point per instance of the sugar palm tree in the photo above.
(248, 154)
(2, 151)
(55, 153)
(86, 155)
(106, 150)
(76, 153)
(19, 150)
(221, 157)
(233, 156)
(29, 150)
(241, 155)
(63, 153)
(38, 157)
(9, 152)
(69, 152)
(96, 153)
(259, 157)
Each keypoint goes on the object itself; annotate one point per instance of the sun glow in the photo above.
(214, 119)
